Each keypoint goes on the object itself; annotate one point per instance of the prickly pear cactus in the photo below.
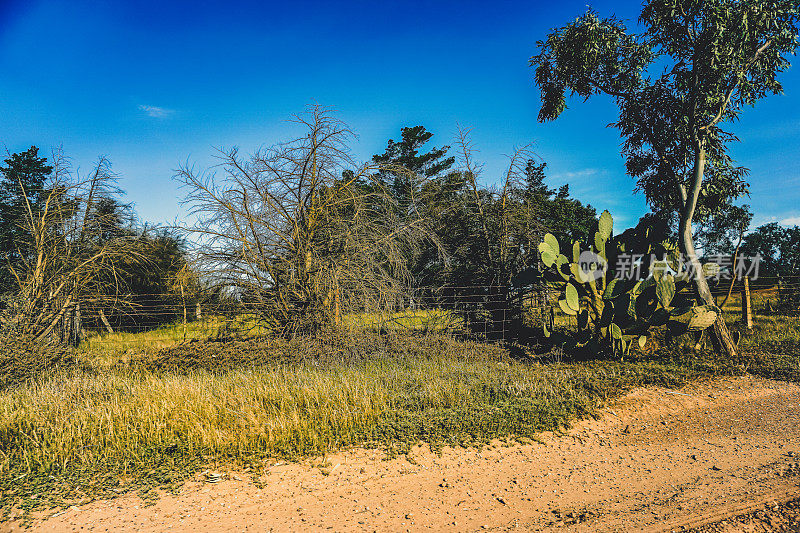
(620, 287)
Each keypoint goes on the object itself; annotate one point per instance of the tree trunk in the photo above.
(724, 340)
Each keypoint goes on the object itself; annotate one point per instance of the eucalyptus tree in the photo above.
(678, 81)
(723, 231)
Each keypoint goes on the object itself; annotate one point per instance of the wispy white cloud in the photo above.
(600, 188)
(156, 112)
(579, 174)
(790, 220)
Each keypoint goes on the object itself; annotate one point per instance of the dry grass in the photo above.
(776, 334)
(108, 348)
(157, 417)
(80, 432)
(103, 348)
(430, 320)
(108, 345)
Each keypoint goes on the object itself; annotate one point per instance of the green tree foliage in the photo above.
(421, 182)
(491, 234)
(149, 285)
(418, 166)
(561, 215)
(488, 234)
(724, 229)
(22, 187)
(778, 248)
(72, 249)
(156, 288)
(109, 219)
(694, 67)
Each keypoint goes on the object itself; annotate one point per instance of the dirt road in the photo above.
(657, 460)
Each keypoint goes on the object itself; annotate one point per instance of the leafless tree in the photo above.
(507, 226)
(63, 268)
(300, 231)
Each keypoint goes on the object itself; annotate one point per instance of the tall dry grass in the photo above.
(79, 430)
(84, 427)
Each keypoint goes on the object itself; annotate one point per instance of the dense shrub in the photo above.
(323, 349)
(22, 358)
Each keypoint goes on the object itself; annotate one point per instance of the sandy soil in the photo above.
(771, 517)
(657, 460)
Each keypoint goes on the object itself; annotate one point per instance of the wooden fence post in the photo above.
(105, 321)
(183, 301)
(337, 312)
(747, 310)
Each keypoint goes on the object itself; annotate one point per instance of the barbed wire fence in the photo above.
(768, 295)
(491, 313)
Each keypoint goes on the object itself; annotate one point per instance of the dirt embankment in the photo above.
(657, 460)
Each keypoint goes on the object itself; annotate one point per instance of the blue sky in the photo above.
(154, 84)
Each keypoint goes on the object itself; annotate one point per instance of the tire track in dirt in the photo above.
(725, 511)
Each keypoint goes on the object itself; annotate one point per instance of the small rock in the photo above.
(213, 477)
(716, 468)
(326, 471)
